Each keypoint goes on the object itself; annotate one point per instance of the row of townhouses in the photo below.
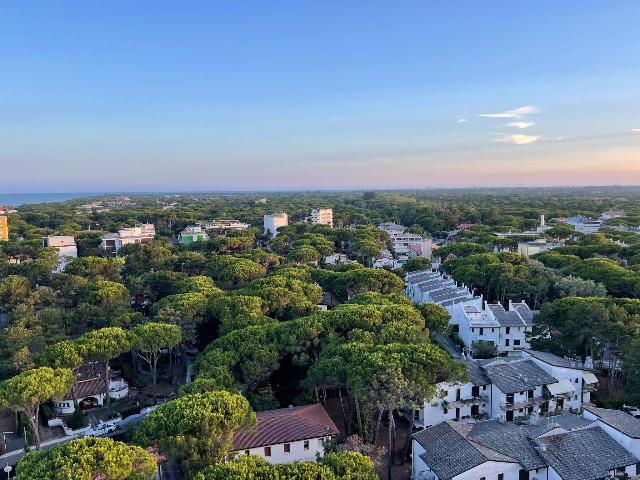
(507, 388)
(475, 319)
(598, 445)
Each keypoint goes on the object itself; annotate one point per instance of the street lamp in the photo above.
(7, 467)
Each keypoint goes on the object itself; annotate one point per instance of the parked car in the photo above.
(633, 411)
(102, 429)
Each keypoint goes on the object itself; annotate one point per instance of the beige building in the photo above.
(322, 216)
(4, 228)
(273, 222)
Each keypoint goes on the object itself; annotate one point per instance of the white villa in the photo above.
(89, 389)
(223, 225)
(191, 234)
(143, 233)
(66, 247)
(527, 249)
(287, 435)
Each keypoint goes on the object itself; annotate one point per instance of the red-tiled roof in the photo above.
(87, 388)
(286, 425)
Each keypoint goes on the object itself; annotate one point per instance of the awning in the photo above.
(563, 386)
(589, 378)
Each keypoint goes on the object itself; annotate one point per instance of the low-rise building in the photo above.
(609, 214)
(567, 447)
(527, 249)
(287, 435)
(191, 234)
(66, 247)
(89, 389)
(223, 225)
(321, 216)
(405, 244)
(584, 224)
(143, 233)
(273, 222)
(508, 388)
(622, 427)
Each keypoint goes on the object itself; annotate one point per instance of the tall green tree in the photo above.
(149, 340)
(28, 390)
(88, 458)
(104, 345)
(196, 429)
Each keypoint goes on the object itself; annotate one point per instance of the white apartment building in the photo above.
(287, 435)
(322, 216)
(143, 233)
(475, 319)
(273, 222)
(407, 245)
(508, 388)
(66, 247)
(622, 427)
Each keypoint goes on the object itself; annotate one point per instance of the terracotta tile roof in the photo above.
(286, 425)
(87, 388)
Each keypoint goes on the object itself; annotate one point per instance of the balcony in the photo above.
(475, 400)
(530, 402)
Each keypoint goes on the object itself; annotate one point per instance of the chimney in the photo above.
(542, 220)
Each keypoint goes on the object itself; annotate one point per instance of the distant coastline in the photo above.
(17, 199)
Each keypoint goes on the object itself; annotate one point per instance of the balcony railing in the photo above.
(475, 400)
(529, 402)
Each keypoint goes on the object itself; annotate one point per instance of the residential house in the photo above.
(66, 247)
(89, 389)
(273, 222)
(287, 435)
(584, 224)
(622, 427)
(566, 448)
(427, 286)
(609, 214)
(143, 233)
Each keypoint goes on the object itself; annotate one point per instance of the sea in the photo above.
(17, 199)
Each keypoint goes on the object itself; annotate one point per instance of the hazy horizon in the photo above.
(150, 97)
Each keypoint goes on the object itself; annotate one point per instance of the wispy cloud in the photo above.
(460, 119)
(515, 113)
(519, 125)
(518, 139)
(637, 130)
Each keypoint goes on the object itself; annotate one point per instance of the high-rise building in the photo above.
(273, 222)
(322, 216)
(4, 228)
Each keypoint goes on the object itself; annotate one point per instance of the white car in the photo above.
(102, 429)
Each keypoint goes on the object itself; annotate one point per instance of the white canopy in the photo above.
(589, 377)
(563, 386)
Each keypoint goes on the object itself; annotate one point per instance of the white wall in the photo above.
(433, 410)
(490, 471)
(298, 452)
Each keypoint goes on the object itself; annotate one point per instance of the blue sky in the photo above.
(333, 94)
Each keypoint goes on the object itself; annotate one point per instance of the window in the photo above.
(444, 410)
(321, 442)
(492, 330)
(516, 342)
(501, 476)
(483, 478)
(481, 331)
(246, 452)
(267, 451)
(287, 448)
(473, 330)
(506, 342)
(508, 330)
(576, 380)
(306, 444)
